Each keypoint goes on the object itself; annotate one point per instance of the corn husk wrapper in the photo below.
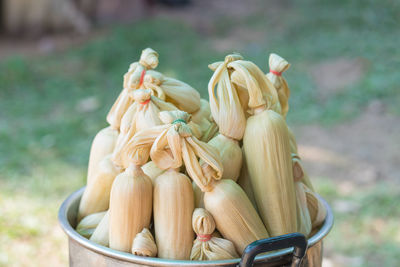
(144, 244)
(267, 152)
(198, 196)
(230, 154)
(278, 65)
(130, 207)
(88, 224)
(142, 114)
(234, 215)
(102, 145)
(173, 208)
(303, 216)
(101, 233)
(206, 246)
(133, 80)
(244, 182)
(151, 170)
(316, 209)
(96, 196)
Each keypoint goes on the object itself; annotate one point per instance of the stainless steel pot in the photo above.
(282, 251)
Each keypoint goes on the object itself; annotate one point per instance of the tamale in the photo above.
(133, 79)
(173, 208)
(144, 244)
(303, 216)
(130, 207)
(206, 246)
(316, 209)
(245, 183)
(88, 224)
(101, 233)
(277, 65)
(102, 145)
(96, 196)
(142, 114)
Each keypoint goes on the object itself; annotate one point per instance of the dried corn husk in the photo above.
(303, 216)
(245, 183)
(230, 154)
(234, 215)
(102, 145)
(96, 196)
(130, 207)
(101, 233)
(144, 245)
(316, 209)
(277, 65)
(172, 144)
(267, 152)
(88, 224)
(133, 79)
(173, 208)
(204, 112)
(151, 170)
(198, 196)
(142, 114)
(207, 247)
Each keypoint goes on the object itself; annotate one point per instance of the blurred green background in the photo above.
(55, 92)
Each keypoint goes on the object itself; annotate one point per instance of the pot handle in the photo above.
(296, 240)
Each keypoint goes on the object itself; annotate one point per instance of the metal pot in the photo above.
(291, 249)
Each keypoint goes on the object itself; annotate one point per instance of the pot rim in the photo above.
(70, 231)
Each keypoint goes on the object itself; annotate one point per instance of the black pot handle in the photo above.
(296, 240)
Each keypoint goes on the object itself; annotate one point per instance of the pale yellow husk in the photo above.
(230, 154)
(278, 64)
(101, 233)
(144, 244)
(267, 152)
(215, 248)
(102, 145)
(142, 114)
(173, 208)
(198, 196)
(148, 60)
(234, 215)
(299, 174)
(88, 224)
(316, 209)
(245, 183)
(130, 207)
(303, 216)
(151, 170)
(96, 196)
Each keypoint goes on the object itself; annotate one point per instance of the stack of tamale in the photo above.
(175, 176)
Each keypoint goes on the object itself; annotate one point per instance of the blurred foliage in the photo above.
(45, 137)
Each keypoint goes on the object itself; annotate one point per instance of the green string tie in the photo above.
(179, 120)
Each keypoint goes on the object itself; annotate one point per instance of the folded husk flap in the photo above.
(133, 79)
(144, 244)
(173, 144)
(206, 246)
(316, 209)
(142, 114)
(88, 224)
(277, 65)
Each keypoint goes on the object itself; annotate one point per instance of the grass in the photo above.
(45, 137)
